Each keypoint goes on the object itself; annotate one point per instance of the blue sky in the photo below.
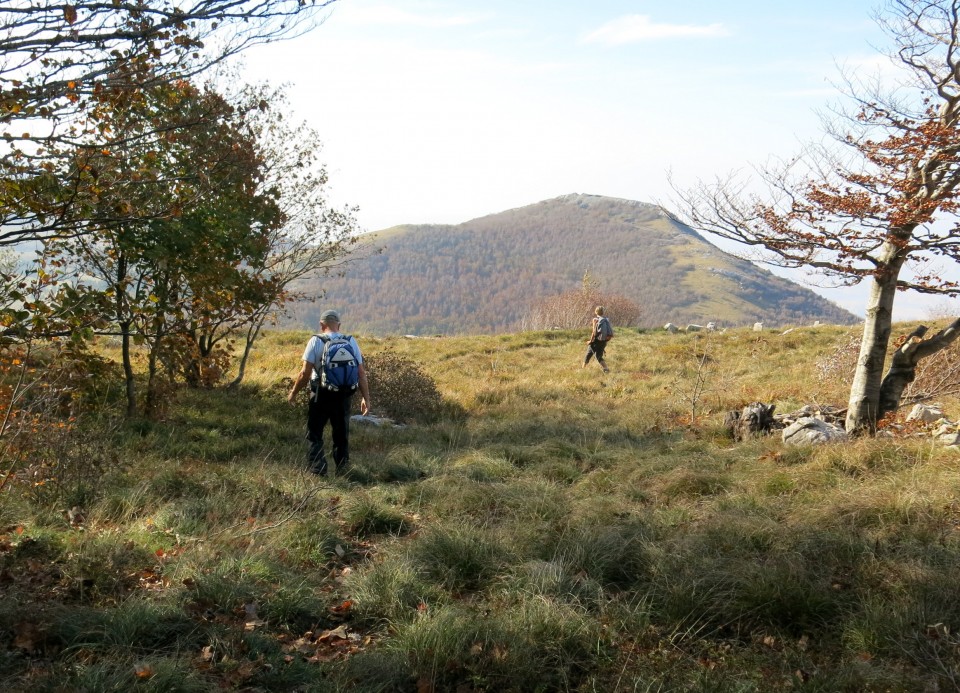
(440, 111)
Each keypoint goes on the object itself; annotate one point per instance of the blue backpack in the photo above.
(339, 366)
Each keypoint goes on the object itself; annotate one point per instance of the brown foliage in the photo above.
(574, 309)
(937, 375)
(43, 395)
(400, 388)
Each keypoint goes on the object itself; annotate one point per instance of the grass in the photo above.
(557, 529)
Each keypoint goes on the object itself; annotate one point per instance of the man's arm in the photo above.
(364, 392)
(301, 382)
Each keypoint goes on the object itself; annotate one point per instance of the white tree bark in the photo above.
(864, 404)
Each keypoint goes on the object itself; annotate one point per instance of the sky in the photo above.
(441, 111)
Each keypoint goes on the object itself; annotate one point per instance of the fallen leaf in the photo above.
(343, 607)
(340, 633)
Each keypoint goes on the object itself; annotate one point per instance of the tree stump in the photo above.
(755, 419)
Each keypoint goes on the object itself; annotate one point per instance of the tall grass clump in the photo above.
(529, 644)
(392, 591)
(459, 558)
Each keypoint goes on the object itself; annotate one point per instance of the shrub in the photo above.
(400, 389)
(938, 375)
(574, 309)
(51, 440)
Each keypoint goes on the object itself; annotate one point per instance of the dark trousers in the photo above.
(596, 349)
(334, 408)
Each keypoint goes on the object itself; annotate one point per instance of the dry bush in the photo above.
(400, 389)
(936, 376)
(838, 367)
(574, 310)
(44, 393)
(181, 356)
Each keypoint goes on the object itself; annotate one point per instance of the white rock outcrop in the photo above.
(925, 413)
(812, 431)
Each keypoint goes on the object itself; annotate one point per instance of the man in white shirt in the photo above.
(327, 405)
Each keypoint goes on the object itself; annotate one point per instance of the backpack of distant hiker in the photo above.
(338, 369)
(604, 329)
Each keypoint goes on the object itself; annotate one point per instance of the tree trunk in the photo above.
(128, 369)
(252, 332)
(903, 365)
(124, 322)
(151, 399)
(863, 409)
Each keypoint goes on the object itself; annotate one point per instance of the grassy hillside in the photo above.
(555, 529)
(483, 276)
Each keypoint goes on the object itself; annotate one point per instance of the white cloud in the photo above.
(634, 28)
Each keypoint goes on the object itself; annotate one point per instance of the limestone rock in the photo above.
(371, 420)
(925, 413)
(812, 431)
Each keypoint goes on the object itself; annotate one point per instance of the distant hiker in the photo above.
(601, 333)
(333, 366)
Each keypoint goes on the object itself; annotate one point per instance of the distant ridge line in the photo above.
(483, 275)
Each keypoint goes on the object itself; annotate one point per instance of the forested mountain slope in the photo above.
(483, 275)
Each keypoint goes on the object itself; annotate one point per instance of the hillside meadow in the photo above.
(546, 528)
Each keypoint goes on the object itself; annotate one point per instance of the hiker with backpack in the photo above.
(601, 333)
(333, 367)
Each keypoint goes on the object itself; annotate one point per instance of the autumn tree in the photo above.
(307, 236)
(882, 193)
(162, 275)
(59, 62)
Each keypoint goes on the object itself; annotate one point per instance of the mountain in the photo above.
(482, 275)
